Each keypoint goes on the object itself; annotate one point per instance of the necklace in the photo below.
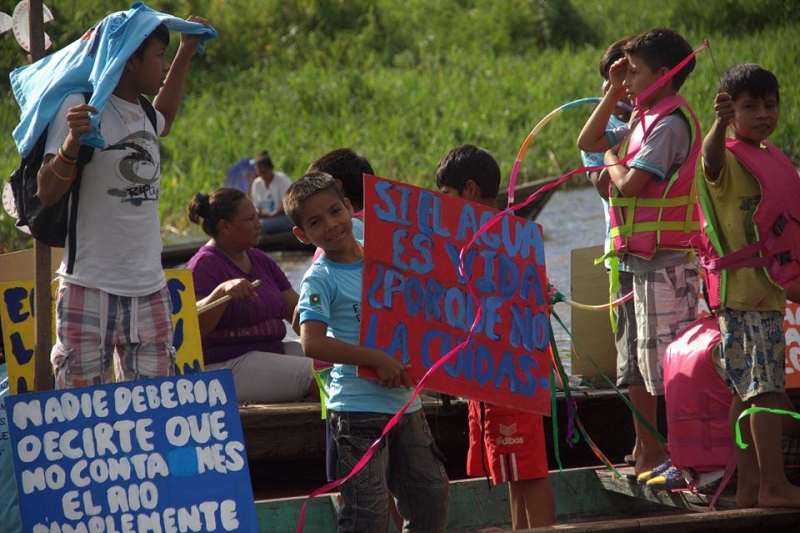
(124, 121)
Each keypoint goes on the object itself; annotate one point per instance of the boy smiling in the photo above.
(748, 186)
(330, 320)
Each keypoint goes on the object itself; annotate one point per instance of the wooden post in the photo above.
(43, 373)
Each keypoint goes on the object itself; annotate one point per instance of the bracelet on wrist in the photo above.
(67, 160)
(59, 176)
(67, 156)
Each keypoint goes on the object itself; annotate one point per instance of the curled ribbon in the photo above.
(471, 286)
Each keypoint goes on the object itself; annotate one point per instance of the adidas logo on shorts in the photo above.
(508, 433)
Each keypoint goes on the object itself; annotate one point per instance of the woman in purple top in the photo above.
(246, 333)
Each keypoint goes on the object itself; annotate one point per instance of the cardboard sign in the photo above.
(18, 322)
(417, 307)
(791, 325)
(161, 454)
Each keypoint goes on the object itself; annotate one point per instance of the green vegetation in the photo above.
(405, 82)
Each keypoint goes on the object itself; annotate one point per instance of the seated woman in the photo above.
(267, 192)
(246, 332)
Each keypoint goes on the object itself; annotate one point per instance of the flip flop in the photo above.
(630, 460)
(644, 477)
(670, 479)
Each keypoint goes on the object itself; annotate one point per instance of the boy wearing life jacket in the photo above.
(652, 208)
(750, 196)
(506, 442)
(628, 373)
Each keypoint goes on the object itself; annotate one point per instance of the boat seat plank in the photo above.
(283, 431)
(684, 499)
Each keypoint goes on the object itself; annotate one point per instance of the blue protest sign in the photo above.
(162, 455)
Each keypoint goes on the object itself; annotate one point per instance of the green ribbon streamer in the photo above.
(751, 410)
(639, 416)
(554, 420)
(319, 377)
(568, 398)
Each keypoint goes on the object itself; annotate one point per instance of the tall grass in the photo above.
(403, 86)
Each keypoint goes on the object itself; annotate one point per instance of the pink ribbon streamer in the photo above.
(471, 287)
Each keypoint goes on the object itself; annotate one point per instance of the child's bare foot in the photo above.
(785, 495)
(746, 495)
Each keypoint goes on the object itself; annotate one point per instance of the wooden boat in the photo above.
(176, 254)
(286, 442)
(587, 500)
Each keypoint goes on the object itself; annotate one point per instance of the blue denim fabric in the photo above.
(407, 464)
(277, 224)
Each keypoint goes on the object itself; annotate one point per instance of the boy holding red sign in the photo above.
(330, 319)
(508, 441)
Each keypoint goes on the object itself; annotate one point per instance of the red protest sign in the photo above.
(417, 307)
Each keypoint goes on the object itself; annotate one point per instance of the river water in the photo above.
(571, 219)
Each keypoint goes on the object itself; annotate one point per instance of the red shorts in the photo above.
(511, 445)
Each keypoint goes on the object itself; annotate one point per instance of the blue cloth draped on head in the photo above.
(94, 63)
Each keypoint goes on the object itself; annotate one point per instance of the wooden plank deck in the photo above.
(287, 441)
(772, 520)
(474, 506)
(684, 499)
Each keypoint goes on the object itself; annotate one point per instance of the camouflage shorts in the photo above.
(753, 351)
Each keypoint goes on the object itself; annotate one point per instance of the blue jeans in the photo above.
(277, 224)
(407, 464)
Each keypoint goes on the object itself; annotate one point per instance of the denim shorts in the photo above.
(407, 464)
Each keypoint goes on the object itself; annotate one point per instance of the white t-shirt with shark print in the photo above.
(118, 244)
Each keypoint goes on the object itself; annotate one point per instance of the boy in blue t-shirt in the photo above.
(330, 320)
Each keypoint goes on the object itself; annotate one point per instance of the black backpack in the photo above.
(54, 224)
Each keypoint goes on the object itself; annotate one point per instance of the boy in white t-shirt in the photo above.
(113, 306)
(267, 191)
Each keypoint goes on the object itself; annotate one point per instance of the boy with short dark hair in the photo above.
(652, 208)
(471, 173)
(628, 373)
(347, 167)
(113, 307)
(749, 186)
(330, 317)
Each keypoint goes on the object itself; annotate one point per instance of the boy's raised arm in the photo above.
(714, 143)
(592, 137)
(316, 344)
(168, 99)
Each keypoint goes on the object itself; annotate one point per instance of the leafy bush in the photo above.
(405, 82)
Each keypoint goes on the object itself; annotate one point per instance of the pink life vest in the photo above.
(697, 400)
(777, 222)
(665, 214)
